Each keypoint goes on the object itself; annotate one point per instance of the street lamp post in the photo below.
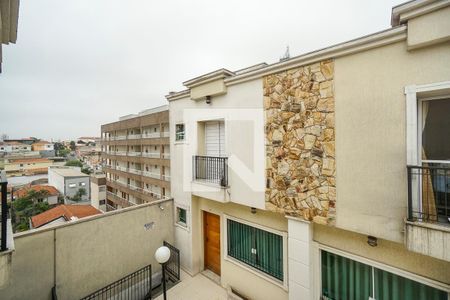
(162, 255)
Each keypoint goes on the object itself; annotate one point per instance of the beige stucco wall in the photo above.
(212, 88)
(231, 273)
(371, 133)
(389, 253)
(89, 253)
(429, 29)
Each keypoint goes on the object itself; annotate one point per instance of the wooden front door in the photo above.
(211, 223)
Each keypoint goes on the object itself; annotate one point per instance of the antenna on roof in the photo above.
(286, 55)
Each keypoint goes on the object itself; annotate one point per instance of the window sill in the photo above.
(182, 226)
(281, 284)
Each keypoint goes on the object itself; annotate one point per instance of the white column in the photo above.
(299, 259)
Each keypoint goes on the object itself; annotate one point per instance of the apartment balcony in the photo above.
(135, 171)
(134, 136)
(428, 220)
(151, 174)
(123, 169)
(166, 155)
(153, 194)
(151, 135)
(210, 177)
(121, 153)
(133, 153)
(166, 177)
(151, 154)
(165, 134)
(134, 188)
(118, 200)
(119, 138)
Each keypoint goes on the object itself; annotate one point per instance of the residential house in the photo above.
(62, 214)
(9, 12)
(46, 149)
(323, 175)
(98, 191)
(17, 146)
(69, 181)
(27, 166)
(51, 193)
(136, 153)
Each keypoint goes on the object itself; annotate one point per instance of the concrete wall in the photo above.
(70, 192)
(57, 181)
(236, 276)
(371, 133)
(88, 254)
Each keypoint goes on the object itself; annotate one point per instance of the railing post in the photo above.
(410, 210)
(4, 216)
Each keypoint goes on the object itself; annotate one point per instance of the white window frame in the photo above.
(415, 96)
(179, 224)
(184, 136)
(72, 185)
(283, 284)
(378, 265)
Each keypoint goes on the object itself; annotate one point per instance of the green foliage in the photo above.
(63, 152)
(79, 195)
(72, 146)
(86, 171)
(74, 163)
(28, 206)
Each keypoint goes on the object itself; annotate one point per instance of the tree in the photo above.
(74, 163)
(63, 152)
(27, 206)
(72, 145)
(86, 171)
(79, 195)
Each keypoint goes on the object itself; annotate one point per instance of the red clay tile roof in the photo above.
(65, 211)
(52, 191)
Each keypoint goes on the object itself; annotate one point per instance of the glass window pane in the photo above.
(436, 130)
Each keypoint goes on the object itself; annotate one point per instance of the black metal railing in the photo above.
(137, 285)
(173, 264)
(210, 169)
(429, 193)
(4, 216)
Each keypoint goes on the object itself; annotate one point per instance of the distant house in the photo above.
(17, 146)
(52, 193)
(98, 191)
(62, 214)
(45, 148)
(27, 166)
(68, 181)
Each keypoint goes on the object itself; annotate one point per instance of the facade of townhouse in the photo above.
(27, 166)
(45, 149)
(136, 158)
(69, 181)
(98, 191)
(325, 175)
(50, 196)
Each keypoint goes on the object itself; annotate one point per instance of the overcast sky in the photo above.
(78, 64)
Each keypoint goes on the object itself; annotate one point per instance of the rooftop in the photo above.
(68, 212)
(68, 172)
(51, 190)
(41, 143)
(30, 160)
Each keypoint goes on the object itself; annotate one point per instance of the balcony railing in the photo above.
(151, 154)
(210, 169)
(151, 174)
(133, 153)
(429, 194)
(166, 134)
(120, 137)
(123, 169)
(166, 177)
(4, 212)
(134, 136)
(151, 135)
(166, 155)
(135, 171)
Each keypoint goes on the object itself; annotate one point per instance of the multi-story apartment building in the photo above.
(136, 156)
(324, 176)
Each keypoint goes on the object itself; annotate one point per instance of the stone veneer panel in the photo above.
(300, 142)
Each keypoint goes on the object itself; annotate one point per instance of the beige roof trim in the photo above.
(208, 77)
(412, 9)
(178, 95)
(375, 40)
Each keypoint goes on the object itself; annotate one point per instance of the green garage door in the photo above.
(346, 279)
